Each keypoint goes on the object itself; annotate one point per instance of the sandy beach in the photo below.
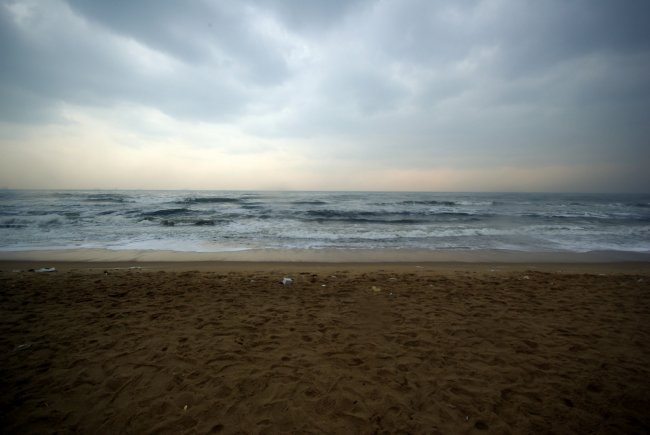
(324, 217)
(224, 347)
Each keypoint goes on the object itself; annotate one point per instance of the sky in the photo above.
(413, 95)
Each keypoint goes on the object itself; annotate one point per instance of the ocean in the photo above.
(220, 221)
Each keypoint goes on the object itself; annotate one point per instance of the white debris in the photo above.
(45, 270)
(287, 281)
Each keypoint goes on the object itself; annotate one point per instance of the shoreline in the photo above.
(343, 256)
(327, 261)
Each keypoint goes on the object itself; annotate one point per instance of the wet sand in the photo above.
(223, 347)
(407, 255)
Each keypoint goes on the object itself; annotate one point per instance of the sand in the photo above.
(347, 348)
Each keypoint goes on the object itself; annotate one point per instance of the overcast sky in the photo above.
(438, 95)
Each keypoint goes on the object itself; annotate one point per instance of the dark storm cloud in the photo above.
(538, 35)
(55, 56)
(212, 33)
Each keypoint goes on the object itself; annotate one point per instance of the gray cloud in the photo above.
(410, 82)
(60, 56)
(218, 34)
(539, 35)
(312, 16)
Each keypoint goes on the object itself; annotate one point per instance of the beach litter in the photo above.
(376, 289)
(287, 281)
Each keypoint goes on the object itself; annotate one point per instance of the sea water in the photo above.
(213, 221)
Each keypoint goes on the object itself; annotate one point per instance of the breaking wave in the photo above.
(324, 219)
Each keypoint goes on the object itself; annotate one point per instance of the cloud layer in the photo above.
(342, 94)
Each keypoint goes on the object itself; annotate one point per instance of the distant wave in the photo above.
(165, 212)
(387, 217)
(194, 222)
(315, 202)
(355, 216)
(107, 197)
(339, 213)
(208, 200)
(326, 213)
(13, 223)
(91, 197)
(429, 202)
